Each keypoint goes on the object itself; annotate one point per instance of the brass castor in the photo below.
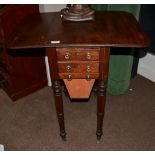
(63, 135)
(99, 135)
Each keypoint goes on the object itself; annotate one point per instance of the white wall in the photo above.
(146, 67)
(50, 8)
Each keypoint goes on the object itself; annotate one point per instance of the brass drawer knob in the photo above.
(88, 78)
(68, 68)
(88, 56)
(69, 77)
(67, 55)
(88, 69)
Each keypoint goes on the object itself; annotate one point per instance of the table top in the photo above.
(109, 29)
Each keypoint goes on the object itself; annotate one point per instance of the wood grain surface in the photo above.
(110, 28)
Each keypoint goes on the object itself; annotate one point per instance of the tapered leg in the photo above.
(100, 107)
(59, 107)
(101, 90)
(52, 57)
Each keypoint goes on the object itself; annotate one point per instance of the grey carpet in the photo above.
(129, 124)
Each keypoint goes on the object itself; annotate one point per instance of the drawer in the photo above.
(78, 76)
(79, 67)
(78, 54)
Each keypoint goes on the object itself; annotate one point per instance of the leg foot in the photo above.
(99, 134)
(100, 107)
(63, 135)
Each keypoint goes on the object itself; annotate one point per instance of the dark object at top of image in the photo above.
(77, 12)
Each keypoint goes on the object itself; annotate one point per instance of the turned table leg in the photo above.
(59, 107)
(101, 88)
(52, 59)
(101, 100)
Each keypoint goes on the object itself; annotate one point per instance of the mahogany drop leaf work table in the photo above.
(79, 51)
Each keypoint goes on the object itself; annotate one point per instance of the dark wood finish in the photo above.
(12, 15)
(101, 92)
(78, 54)
(78, 75)
(109, 29)
(79, 67)
(113, 29)
(78, 60)
(52, 56)
(23, 70)
(27, 72)
(3, 69)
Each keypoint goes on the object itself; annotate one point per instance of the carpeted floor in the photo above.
(129, 122)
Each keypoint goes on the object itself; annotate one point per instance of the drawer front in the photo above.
(85, 75)
(77, 54)
(82, 67)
